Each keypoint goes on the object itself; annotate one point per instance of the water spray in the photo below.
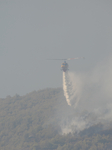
(70, 89)
(65, 88)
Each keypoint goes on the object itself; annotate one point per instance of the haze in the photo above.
(32, 31)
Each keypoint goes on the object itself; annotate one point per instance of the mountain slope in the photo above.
(35, 122)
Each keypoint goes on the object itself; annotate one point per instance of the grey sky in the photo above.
(33, 30)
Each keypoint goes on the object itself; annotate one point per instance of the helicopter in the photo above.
(64, 65)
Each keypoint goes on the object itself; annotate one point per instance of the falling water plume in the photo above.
(70, 88)
(65, 88)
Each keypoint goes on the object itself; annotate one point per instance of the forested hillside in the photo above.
(35, 122)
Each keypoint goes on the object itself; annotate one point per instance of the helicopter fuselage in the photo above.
(64, 66)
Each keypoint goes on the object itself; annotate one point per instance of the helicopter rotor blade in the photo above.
(67, 58)
(57, 59)
(75, 58)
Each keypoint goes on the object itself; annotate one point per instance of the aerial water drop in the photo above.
(65, 88)
(70, 88)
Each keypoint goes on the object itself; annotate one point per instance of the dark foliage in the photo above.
(31, 122)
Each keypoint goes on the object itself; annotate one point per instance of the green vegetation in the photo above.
(32, 122)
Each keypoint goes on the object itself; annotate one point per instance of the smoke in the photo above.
(90, 94)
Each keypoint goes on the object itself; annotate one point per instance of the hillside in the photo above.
(36, 121)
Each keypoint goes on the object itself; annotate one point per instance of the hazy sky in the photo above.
(33, 30)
